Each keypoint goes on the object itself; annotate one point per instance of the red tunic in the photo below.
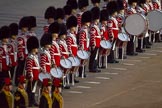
(79, 17)
(4, 58)
(22, 50)
(12, 51)
(55, 53)
(63, 48)
(113, 28)
(95, 36)
(83, 38)
(72, 44)
(156, 5)
(45, 61)
(32, 66)
(45, 28)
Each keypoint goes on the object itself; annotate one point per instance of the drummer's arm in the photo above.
(29, 69)
(110, 31)
(69, 42)
(43, 62)
(102, 33)
(92, 36)
(81, 39)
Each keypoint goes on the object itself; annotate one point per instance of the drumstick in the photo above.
(74, 59)
(82, 53)
(65, 61)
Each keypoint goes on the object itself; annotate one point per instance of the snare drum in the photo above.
(75, 61)
(154, 20)
(122, 39)
(105, 44)
(43, 76)
(82, 54)
(56, 72)
(135, 24)
(66, 63)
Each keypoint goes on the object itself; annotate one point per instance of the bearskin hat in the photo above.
(73, 4)
(32, 21)
(71, 22)
(14, 29)
(54, 28)
(32, 43)
(104, 15)
(83, 3)
(50, 12)
(24, 22)
(67, 10)
(112, 7)
(120, 5)
(131, 1)
(95, 13)
(46, 39)
(141, 2)
(63, 29)
(4, 32)
(95, 1)
(60, 13)
(86, 17)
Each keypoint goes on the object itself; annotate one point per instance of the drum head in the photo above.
(66, 63)
(123, 37)
(154, 20)
(105, 44)
(56, 72)
(75, 61)
(82, 54)
(135, 24)
(43, 76)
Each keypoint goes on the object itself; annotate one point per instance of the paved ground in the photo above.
(133, 83)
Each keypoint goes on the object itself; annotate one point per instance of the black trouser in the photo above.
(31, 95)
(111, 56)
(12, 70)
(3, 74)
(92, 61)
(19, 70)
(130, 45)
(139, 44)
(80, 70)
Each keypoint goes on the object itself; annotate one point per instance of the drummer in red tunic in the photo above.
(104, 36)
(32, 69)
(54, 29)
(71, 38)
(63, 48)
(95, 38)
(84, 39)
(113, 29)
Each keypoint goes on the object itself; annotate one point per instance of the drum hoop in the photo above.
(122, 34)
(74, 58)
(144, 19)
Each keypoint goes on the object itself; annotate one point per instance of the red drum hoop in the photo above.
(65, 63)
(135, 24)
(154, 20)
(56, 72)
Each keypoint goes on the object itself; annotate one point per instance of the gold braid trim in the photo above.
(25, 96)
(49, 100)
(59, 98)
(10, 98)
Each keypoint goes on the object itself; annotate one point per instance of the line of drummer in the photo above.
(70, 41)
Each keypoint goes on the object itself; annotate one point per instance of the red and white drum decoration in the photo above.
(154, 20)
(135, 24)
